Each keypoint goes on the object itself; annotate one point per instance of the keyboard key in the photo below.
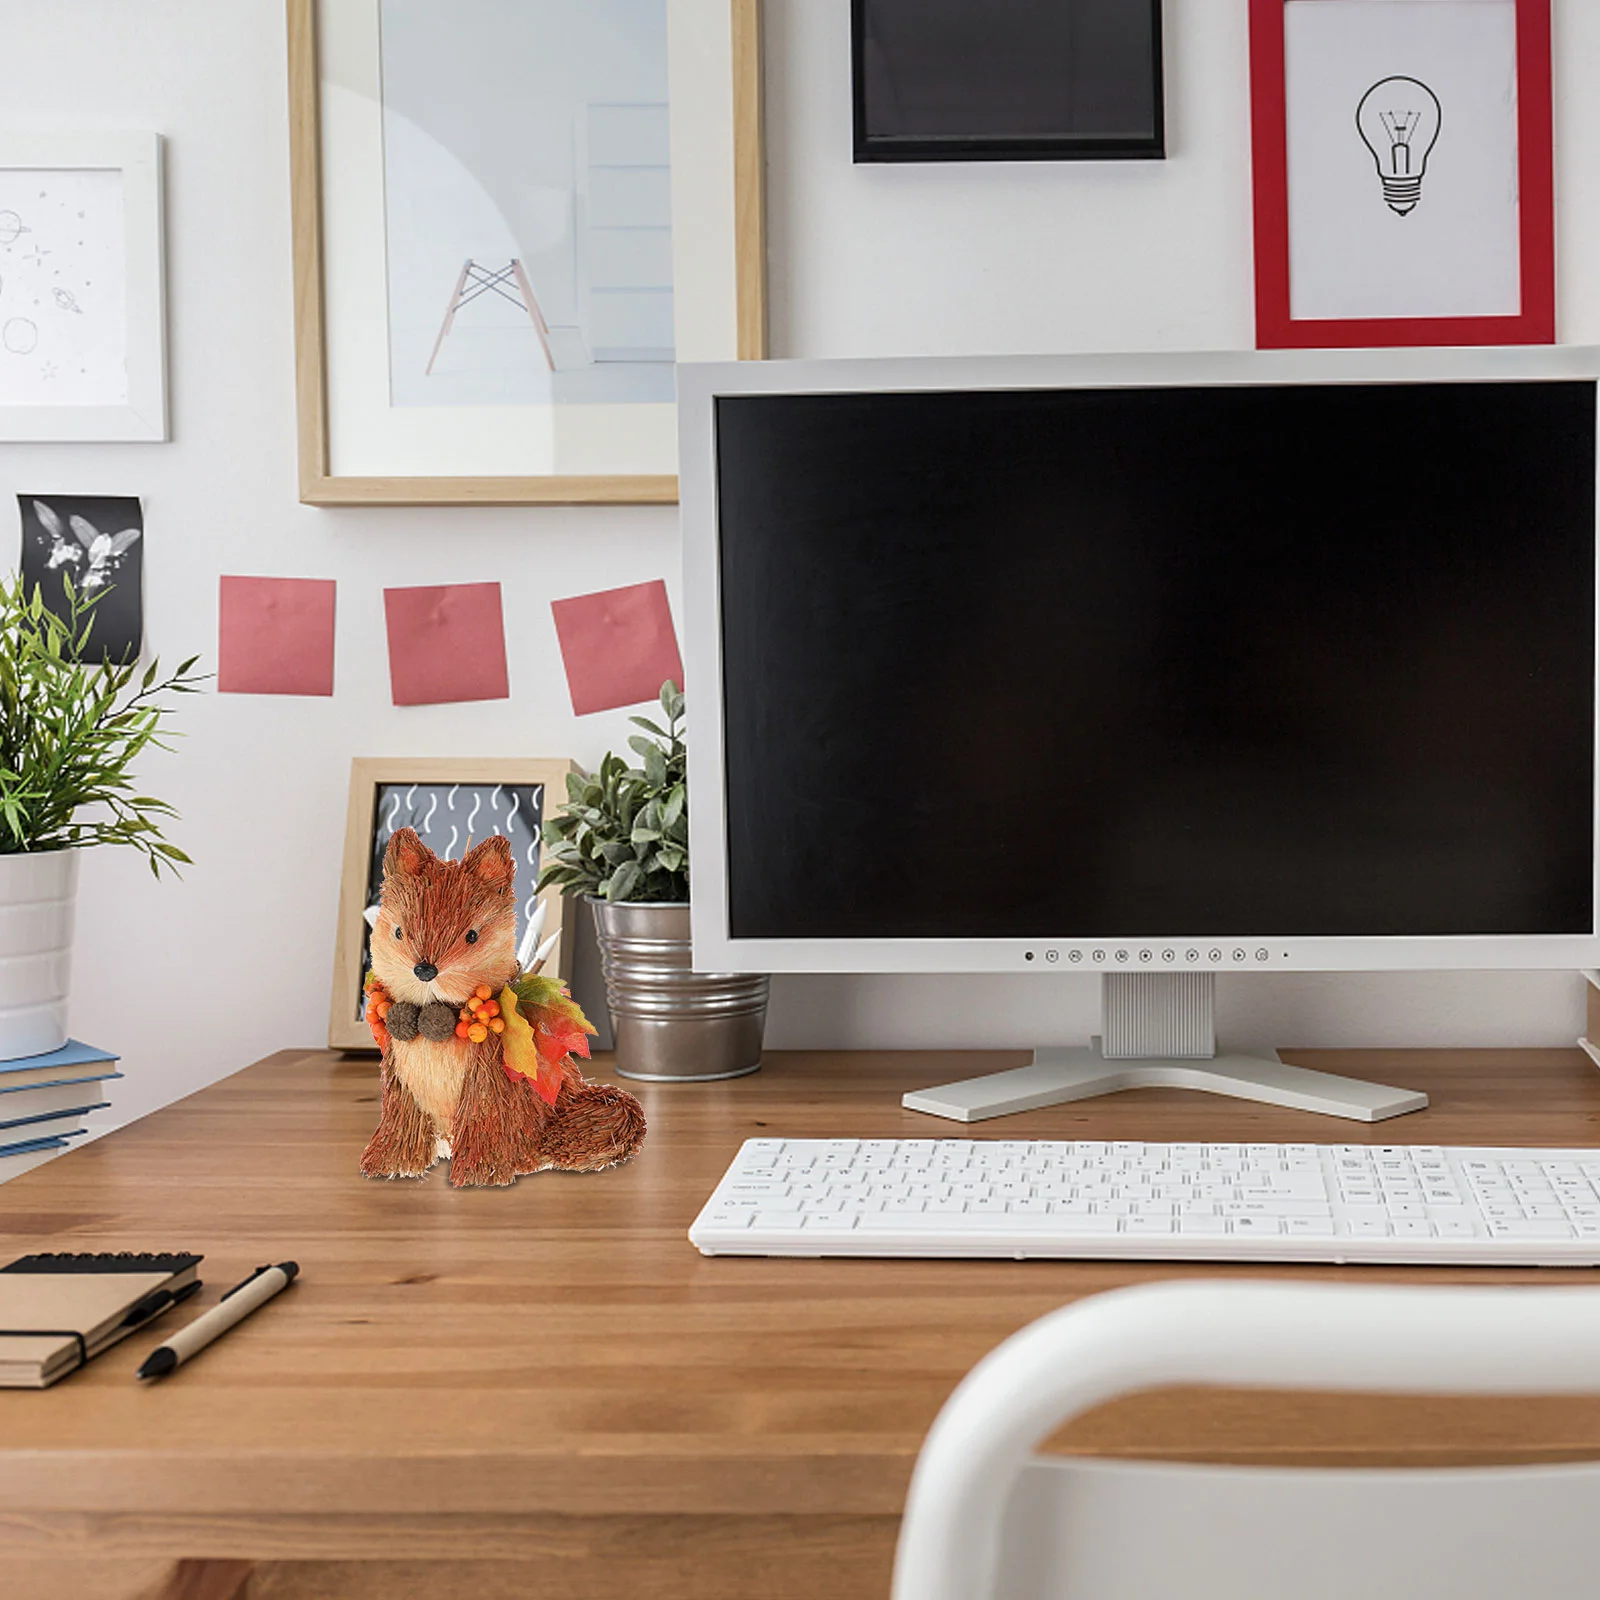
(779, 1221)
(1531, 1230)
(1250, 1227)
(1208, 1227)
(1147, 1225)
(1357, 1216)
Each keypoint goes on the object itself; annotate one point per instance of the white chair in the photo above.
(989, 1519)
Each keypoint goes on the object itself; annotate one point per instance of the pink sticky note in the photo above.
(446, 642)
(618, 646)
(275, 636)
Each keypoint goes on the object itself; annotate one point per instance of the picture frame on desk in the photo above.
(1403, 173)
(449, 801)
(494, 276)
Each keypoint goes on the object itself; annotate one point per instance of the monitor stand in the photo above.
(1159, 1034)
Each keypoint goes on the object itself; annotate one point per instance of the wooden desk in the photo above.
(550, 1383)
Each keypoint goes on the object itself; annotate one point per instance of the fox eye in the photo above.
(398, 934)
(472, 936)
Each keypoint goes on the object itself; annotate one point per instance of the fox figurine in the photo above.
(477, 1058)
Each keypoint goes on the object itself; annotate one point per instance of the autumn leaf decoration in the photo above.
(544, 1027)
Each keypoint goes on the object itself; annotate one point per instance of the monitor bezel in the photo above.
(715, 949)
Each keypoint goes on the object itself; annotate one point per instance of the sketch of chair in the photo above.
(510, 282)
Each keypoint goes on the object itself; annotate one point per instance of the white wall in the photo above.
(194, 979)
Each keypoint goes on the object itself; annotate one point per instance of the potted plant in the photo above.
(622, 840)
(70, 731)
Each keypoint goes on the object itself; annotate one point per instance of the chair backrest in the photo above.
(989, 1519)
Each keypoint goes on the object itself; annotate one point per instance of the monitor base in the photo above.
(1060, 1075)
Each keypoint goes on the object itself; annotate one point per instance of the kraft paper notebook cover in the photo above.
(58, 1311)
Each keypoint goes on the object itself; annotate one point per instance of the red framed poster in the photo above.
(1404, 189)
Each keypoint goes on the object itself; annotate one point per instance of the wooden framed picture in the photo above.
(511, 219)
(1007, 80)
(82, 303)
(452, 802)
(1404, 190)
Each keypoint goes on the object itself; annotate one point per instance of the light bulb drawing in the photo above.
(1399, 121)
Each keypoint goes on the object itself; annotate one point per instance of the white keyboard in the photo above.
(1158, 1202)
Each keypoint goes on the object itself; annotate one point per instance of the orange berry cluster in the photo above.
(378, 1001)
(480, 1016)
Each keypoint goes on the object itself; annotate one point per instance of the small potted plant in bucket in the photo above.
(70, 731)
(622, 840)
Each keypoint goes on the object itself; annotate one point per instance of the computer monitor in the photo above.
(1151, 666)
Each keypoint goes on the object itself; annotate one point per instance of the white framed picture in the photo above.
(512, 219)
(82, 315)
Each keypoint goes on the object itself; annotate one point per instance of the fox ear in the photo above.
(406, 854)
(492, 862)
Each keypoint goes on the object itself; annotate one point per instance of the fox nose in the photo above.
(426, 971)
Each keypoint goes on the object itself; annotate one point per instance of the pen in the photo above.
(159, 1302)
(235, 1306)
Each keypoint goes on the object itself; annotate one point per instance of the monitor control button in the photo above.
(1052, 956)
(1169, 955)
(1075, 955)
(1191, 955)
(1240, 955)
(1099, 955)
(1146, 955)
(1122, 955)
(1216, 955)
(1261, 955)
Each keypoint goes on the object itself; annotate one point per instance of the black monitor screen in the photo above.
(1297, 661)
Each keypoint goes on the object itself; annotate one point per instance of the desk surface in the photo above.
(455, 1369)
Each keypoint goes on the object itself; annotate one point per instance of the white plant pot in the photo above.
(38, 895)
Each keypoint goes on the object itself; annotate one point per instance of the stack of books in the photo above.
(44, 1100)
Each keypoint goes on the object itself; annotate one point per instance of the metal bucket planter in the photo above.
(38, 895)
(673, 1024)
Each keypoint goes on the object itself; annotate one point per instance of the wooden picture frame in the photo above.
(320, 482)
(873, 144)
(51, 311)
(371, 778)
(1432, 298)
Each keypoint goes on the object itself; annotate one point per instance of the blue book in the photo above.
(72, 1063)
(25, 1147)
(7, 1129)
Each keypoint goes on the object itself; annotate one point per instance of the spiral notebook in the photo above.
(58, 1312)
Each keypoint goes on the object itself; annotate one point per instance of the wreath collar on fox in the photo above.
(538, 1022)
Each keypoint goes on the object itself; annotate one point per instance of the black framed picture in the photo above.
(1007, 80)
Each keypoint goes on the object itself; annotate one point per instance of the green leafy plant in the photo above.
(624, 833)
(70, 730)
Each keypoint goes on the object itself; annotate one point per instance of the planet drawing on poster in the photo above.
(63, 275)
(1399, 120)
